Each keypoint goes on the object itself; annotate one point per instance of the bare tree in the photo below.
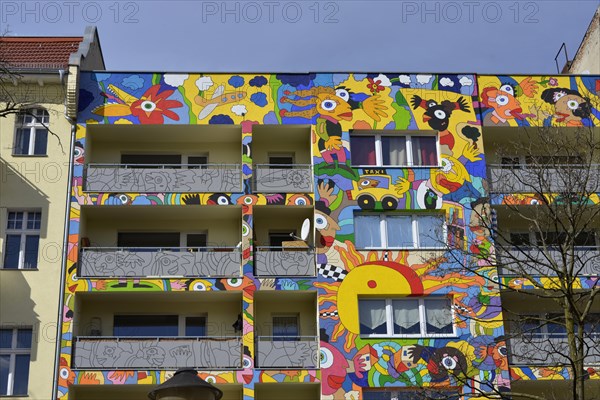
(543, 215)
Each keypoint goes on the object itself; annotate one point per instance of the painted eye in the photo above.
(245, 229)
(199, 287)
(148, 106)
(502, 351)
(342, 94)
(320, 222)
(64, 373)
(211, 379)
(507, 89)
(534, 201)
(448, 362)
(222, 200)
(572, 104)
(248, 200)
(364, 183)
(234, 282)
(300, 201)
(78, 152)
(328, 105)
(247, 362)
(439, 114)
(326, 358)
(446, 165)
(124, 199)
(558, 95)
(502, 100)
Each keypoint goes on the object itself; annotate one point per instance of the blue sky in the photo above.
(314, 35)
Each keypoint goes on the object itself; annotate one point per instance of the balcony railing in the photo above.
(106, 262)
(279, 352)
(146, 178)
(278, 178)
(548, 349)
(526, 179)
(106, 352)
(534, 261)
(284, 261)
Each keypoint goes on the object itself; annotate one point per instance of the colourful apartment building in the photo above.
(309, 236)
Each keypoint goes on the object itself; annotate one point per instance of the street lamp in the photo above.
(185, 384)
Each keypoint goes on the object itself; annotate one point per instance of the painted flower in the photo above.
(153, 106)
(553, 82)
(374, 85)
(296, 178)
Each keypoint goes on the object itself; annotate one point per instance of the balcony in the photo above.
(284, 390)
(164, 242)
(157, 330)
(157, 352)
(163, 158)
(586, 261)
(299, 352)
(231, 391)
(285, 254)
(547, 349)
(526, 179)
(159, 178)
(279, 178)
(286, 327)
(281, 158)
(107, 262)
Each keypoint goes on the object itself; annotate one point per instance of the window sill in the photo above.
(30, 155)
(19, 269)
(400, 248)
(419, 336)
(395, 166)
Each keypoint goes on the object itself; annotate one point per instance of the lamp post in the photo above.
(185, 385)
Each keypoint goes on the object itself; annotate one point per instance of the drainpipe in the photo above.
(61, 301)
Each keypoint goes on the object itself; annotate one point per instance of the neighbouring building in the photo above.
(587, 58)
(38, 78)
(189, 247)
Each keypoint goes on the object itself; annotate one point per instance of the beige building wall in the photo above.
(587, 59)
(29, 297)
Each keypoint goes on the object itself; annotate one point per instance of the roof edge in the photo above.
(90, 37)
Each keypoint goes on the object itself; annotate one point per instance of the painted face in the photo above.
(66, 377)
(503, 101)
(376, 279)
(326, 228)
(450, 177)
(573, 107)
(333, 368)
(334, 106)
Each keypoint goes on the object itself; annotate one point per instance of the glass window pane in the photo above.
(367, 231)
(424, 150)
(22, 141)
(34, 220)
(24, 337)
(146, 325)
(11, 251)
(431, 231)
(406, 317)
(394, 150)
(41, 141)
(4, 368)
(32, 244)
(438, 317)
(6, 338)
(286, 328)
(399, 231)
(15, 220)
(195, 326)
(363, 150)
(372, 317)
(21, 377)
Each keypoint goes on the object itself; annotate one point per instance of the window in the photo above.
(388, 150)
(158, 325)
(276, 239)
(22, 239)
(148, 240)
(583, 239)
(406, 317)
(281, 161)
(553, 326)
(151, 160)
(196, 241)
(286, 328)
(407, 394)
(15, 353)
(197, 162)
(395, 230)
(31, 136)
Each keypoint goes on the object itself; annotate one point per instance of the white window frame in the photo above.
(409, 148)
(389, 313)
(415, 230)
(13, 352)
(181, 321)
(23, 233)
(40, 120)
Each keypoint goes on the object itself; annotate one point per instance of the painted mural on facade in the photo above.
(335, 106)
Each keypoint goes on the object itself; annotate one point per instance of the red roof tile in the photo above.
(38, 52)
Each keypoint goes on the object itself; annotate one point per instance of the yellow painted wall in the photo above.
(29, 298)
